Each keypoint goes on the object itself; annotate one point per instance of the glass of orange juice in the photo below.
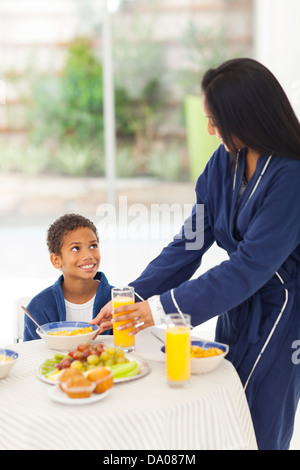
(178, 349)
(122, 296)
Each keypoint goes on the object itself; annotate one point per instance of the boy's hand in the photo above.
(103, 318)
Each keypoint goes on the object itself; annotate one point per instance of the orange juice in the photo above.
(178, 352)
(121, 338)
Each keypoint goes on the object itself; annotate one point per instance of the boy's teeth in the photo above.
(87, 266)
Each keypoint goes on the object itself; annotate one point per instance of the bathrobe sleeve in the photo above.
(182, 257)
(272, 236)
(46, 307)
(273, 233)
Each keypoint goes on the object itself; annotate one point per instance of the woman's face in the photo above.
(211, 126)
(213, 130)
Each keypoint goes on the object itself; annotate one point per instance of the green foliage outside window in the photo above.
(66, 114)
(70, 107)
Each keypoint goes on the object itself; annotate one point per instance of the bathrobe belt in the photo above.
(247, 317)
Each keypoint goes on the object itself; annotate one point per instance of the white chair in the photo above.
(18, 320)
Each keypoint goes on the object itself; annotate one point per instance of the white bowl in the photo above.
(5, 367)
(203, 365)
(66, 343)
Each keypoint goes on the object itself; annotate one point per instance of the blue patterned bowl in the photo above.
(203, 365)
(7, 365)
(66, 343)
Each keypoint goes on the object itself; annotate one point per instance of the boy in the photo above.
(81, 291)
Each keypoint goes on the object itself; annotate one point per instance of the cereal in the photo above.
(4, 358)
(78, 331)
(197, 352)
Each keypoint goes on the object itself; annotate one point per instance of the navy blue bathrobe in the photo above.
(255, 293)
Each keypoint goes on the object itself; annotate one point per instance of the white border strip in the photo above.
(260, 177)
(271, 332)
(141, 298)
(175, 303)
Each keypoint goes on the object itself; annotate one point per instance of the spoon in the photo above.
(161, 340)
(28, 314)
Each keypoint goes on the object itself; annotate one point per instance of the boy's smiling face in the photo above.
(80, 254)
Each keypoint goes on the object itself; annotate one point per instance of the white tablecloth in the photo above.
(144, 414)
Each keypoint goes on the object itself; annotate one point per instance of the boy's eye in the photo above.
(75, 248)
(94, 245)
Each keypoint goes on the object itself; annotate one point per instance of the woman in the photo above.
(250, 190)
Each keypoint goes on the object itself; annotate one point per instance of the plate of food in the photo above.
(87, 357)
(74, 387)
(56, 394)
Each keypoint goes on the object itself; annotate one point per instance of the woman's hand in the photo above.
(138, 315)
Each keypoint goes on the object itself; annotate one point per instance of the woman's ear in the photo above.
(55, 260)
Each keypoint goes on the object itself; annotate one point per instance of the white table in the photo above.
(144, 414)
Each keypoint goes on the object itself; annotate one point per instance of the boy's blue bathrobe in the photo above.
(49, 305)
(256, 292)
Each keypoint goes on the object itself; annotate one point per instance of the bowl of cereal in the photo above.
(67, 335)
(7, 360)
(205, 355)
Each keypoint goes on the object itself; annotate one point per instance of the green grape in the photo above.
(104, 356)
(76, 365)
(119, 352)
(110, 351)
(93, 359)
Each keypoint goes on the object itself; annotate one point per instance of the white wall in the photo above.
(277, 43)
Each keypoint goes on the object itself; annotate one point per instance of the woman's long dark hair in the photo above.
(247, 101)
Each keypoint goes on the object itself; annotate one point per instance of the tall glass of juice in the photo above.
(122, 296)
(178, 349)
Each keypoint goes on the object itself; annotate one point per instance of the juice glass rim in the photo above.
(122, 290)
(178, 318)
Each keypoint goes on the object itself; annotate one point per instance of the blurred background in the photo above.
(101, 100)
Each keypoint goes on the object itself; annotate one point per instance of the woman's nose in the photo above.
(210, 129)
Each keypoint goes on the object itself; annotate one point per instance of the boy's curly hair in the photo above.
(66, 223)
